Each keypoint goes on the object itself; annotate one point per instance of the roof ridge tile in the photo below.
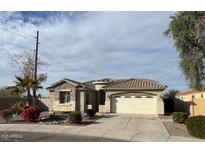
(115, 82)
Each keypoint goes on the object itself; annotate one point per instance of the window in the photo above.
(202, 95)
(64, 97)
(193, 96)
(127, 97)
(117, 96)
(138, 96)
(149, 97)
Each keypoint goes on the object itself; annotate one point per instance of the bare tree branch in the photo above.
(25, 63)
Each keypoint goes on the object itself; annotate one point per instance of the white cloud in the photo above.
(92, 45)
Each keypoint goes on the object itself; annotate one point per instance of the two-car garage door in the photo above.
(134, 104)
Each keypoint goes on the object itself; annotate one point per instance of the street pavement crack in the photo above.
(107, 132)
(168, 138)
(134, 136)
(127, 123)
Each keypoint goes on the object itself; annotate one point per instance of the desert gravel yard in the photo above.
(174, 129)
(56, 119)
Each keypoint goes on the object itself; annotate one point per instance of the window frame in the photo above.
(149, 97)
(68, 92)
(138, 96)
(127, 96)
(193, 96)
(117, 97)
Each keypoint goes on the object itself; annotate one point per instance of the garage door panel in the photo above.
(134, 105)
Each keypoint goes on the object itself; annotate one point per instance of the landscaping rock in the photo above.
(17, 118)
(175, 129)
(45, 115)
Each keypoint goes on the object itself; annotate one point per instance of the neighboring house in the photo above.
(195, 100)
(141, 96)
(189, 95)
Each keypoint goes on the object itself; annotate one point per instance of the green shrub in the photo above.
(17, 107)
(91, 112)
(74, 117)
(196, 126)
(179, 117)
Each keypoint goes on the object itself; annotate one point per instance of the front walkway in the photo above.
(125, 127)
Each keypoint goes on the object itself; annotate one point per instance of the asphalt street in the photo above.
(48, 137)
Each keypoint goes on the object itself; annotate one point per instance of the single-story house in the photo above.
(194, 101)
(139, 96)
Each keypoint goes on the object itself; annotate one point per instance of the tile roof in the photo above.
(116, 84)
(89, 84)
(136, 84)
(191, 91)
(76, 83)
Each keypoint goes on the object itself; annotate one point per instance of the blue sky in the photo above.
(92, 45)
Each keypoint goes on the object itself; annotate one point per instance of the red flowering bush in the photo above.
(31, 113)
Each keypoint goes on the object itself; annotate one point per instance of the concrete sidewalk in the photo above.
(121, 127)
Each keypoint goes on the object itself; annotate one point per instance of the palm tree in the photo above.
(15, 90)
(26, 85)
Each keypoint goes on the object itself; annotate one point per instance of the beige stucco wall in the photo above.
(160, 103)
(99, 85)
(198, 107)
(70, 106)
(47, 102)
(103, 109)
(82, 101)
(188, 97)
(54, 97)
(109, 94)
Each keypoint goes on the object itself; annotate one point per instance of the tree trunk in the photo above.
(34, 93)
(35, 98)
(29, 97)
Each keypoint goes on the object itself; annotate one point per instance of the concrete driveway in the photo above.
(128, 127)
